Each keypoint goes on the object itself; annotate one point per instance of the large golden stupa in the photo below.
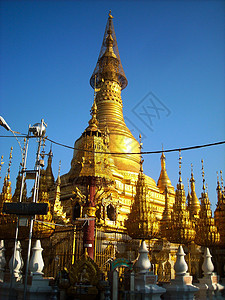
(105, 195)
(104, 171)
(108, 79)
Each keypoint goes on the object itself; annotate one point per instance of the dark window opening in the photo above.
(111, 212)
(76, 211)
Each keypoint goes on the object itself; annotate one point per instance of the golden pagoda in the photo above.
(105, 197)
(165, 222)
(180, 227)
(7, 222)
(219, 214)
(193, 202)
(164, 181)
(142, 222)
(108, 79)
(206, 231)
(103, 152)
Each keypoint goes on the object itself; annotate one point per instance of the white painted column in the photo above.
(115, 285)
(209, 286)
(36, 264)
(15, 269)
(181, 287)
(145, 281)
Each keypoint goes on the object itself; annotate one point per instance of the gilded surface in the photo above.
(142, 222)
(219, 213)
(85, 271)
(207, 233)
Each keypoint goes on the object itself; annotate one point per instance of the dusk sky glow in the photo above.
(173, 55)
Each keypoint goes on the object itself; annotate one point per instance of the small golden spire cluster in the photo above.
(142, 222)
(179, 226)
(219, 214)
(165, 223)
(206, 232)
(6, 195)
(59, 216)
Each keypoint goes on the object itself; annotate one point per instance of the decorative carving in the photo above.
(85, 272)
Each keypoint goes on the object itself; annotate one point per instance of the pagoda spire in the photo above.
(189, 199)
(49, 174)
(206, 232)
(109, 65)
(219, 213)
(58, 215)
(219, 192)
(108, 79)
(163, 180)
(181, 227)
(93, 123)
(142, 222)
(221, 177)
(6, 194)
(1, 163)
(194, 208)
(165, 222)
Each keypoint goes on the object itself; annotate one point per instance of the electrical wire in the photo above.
(143, 152)
(129, 153)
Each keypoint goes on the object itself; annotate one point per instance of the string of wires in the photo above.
(131, 153)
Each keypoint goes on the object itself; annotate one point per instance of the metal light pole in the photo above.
(38, 130)
(4, 124)
(24, 160)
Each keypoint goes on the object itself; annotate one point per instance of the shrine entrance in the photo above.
(121, 278)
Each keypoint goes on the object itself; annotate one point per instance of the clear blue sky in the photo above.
(173, 49)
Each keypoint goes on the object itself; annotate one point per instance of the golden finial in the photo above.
(110, 15)
(192, 175)
(188, 186)
(141, 146)
(140, 142)
(50, 152)
(203, 176)
(93, 123)
(163, 155)
(180, 162)
(10, 162)
(1, 164)
(221, 178)
(59, 168)
(218, 181)
(58, 181)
